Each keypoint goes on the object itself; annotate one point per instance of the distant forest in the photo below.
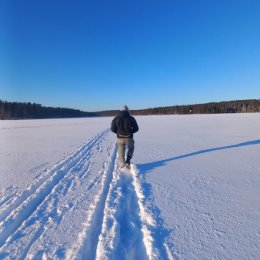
(19, 110)
(237, 106)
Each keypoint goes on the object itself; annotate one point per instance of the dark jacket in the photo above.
(124, 125)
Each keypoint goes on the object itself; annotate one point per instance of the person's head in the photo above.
(124, 108)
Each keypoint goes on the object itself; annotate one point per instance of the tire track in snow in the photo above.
(5, 201)
(86, 244)
(50, 210)
(20, 198)
(24, 205)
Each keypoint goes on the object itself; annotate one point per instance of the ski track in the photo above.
(25, 204)
(86, 244)
(64, 165)
(119, 224)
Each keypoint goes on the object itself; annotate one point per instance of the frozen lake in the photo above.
(193, 191)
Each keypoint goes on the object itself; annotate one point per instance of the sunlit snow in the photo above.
(193, 191)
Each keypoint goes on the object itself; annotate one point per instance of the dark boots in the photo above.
(127, 162)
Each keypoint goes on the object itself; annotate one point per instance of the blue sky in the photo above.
(97, 55)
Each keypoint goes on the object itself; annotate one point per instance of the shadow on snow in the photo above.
(148, 167)
(160, 233)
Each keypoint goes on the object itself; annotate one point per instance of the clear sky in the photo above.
(96, 55)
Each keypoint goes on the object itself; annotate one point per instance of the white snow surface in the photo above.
(193, 190)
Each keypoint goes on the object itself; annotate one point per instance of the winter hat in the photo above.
(124, 108)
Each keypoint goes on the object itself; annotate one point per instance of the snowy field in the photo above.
(193, 191)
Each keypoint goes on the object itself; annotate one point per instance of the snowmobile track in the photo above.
(115, 222)
(24, 205)
(86, 244)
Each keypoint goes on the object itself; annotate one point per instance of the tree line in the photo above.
(20, 110)
(237, 106)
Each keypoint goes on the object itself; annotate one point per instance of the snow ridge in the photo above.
(156, 248)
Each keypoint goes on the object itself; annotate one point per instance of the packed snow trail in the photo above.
(129, 229)
(83, 208)
(121, 236)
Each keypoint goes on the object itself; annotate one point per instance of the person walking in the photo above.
(124, 126)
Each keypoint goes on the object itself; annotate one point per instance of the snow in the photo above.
(193, 191)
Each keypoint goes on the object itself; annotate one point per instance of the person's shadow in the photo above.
(148, 167)
(160, 233)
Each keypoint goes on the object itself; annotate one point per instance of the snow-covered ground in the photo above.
(193, 191)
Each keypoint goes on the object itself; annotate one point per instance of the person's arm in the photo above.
(135, 127)
(113, 126)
